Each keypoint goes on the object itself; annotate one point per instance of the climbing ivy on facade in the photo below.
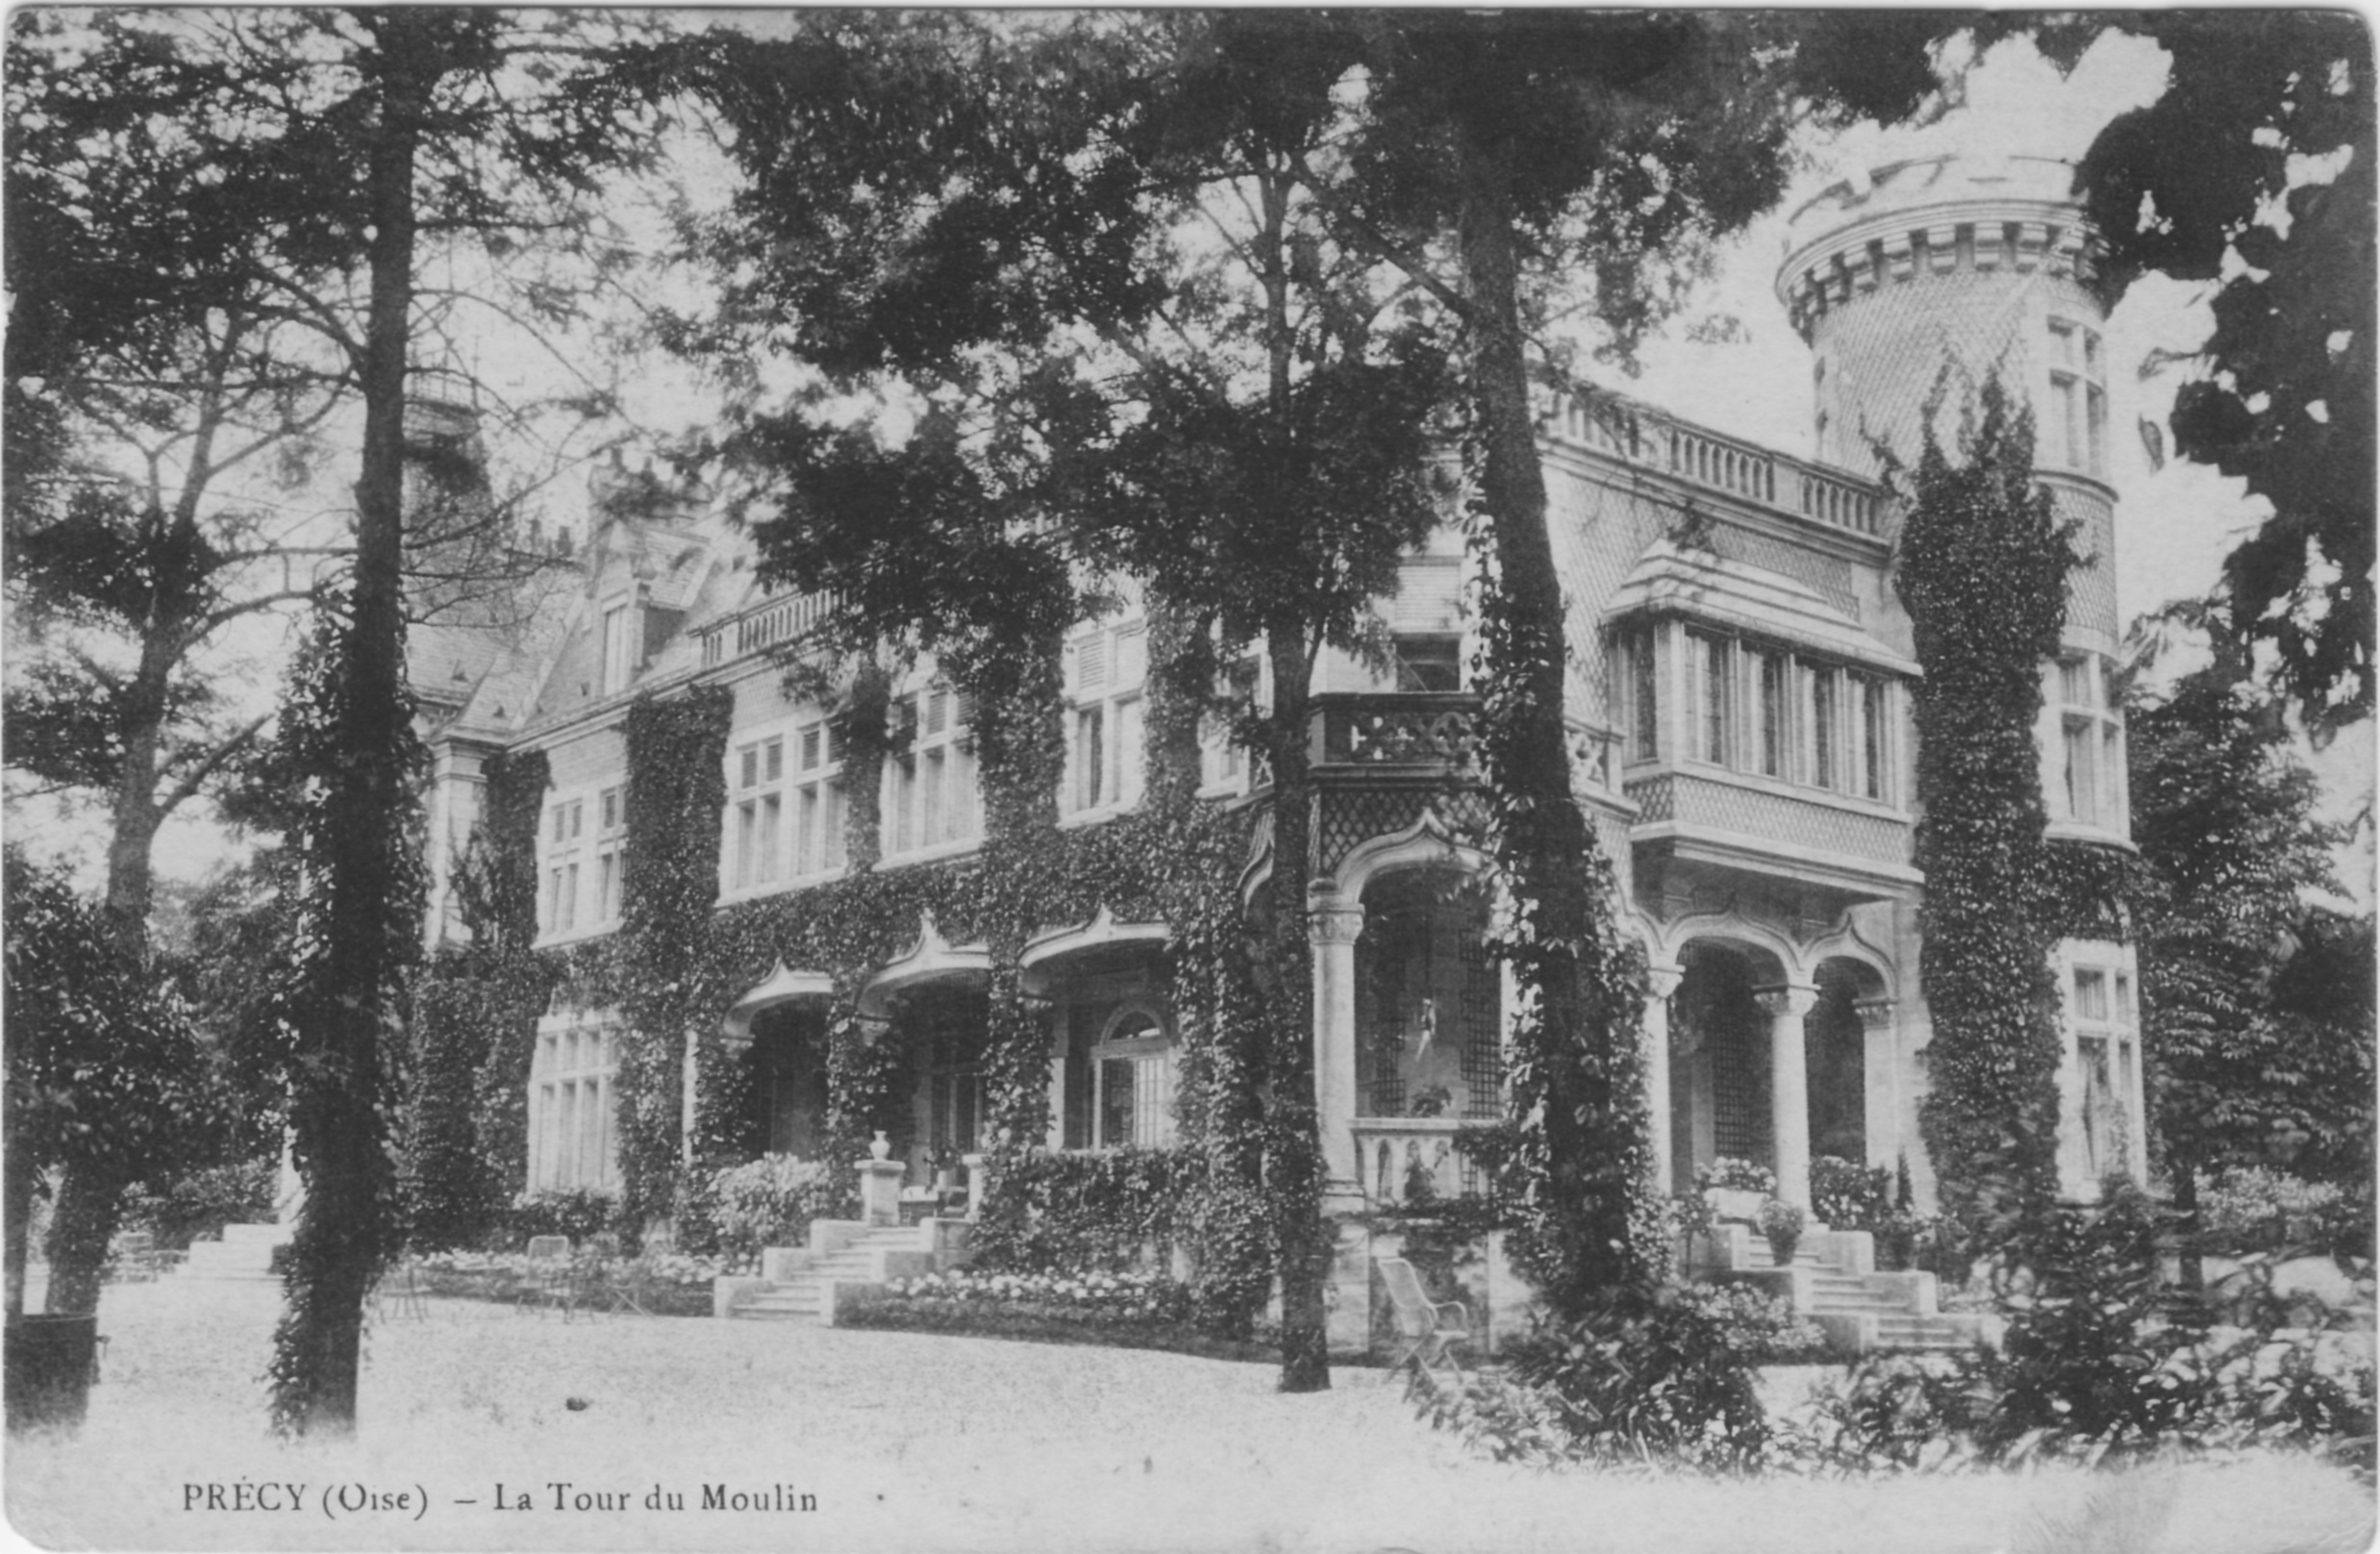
(1982, 570)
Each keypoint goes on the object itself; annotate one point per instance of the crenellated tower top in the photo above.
(1940, 264)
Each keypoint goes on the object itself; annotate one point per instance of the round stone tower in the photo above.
(1936, 272)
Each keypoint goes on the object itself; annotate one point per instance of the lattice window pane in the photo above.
(1483, 1036)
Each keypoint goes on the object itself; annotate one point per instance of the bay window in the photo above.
(1761, 709)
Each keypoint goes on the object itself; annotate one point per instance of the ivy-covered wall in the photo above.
(1982, 569)
(679, 961)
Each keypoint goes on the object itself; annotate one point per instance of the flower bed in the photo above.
(1130, 1311)
(665, 1283)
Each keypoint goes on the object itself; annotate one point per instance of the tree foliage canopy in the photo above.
(2258, 1021)
(2254, 171)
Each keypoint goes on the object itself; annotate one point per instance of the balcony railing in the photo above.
(1395, 1155)
(1403, 728)
(1638, 433)
(765, 624)
(1436, 730)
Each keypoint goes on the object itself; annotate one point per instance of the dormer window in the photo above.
(620, 632)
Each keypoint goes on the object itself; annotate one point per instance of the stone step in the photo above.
(1880, 1304)
(1921, 1333)
(208, 1254)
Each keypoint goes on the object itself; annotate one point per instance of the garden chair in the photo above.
(1430, 1328)
(624, 1290)
(399, 1293)
(608, 1282)
(552, 1280)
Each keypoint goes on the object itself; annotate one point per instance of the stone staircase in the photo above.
(245, 1253)
(799, 1285)
(1832, 1280)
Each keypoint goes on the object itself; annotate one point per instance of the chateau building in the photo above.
(1739, 704)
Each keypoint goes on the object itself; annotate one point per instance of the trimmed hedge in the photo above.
(1042, 1323)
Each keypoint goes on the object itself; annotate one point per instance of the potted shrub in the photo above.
(1781, 1222)
(1735, 1188)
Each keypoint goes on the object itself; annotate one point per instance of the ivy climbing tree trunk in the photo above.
(1292, 1131)
(1576, 1069)
(1018, 689)
(340, 1085)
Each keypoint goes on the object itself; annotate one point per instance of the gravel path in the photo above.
(916, 1443)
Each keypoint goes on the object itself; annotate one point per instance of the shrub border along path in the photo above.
(1032, 1322)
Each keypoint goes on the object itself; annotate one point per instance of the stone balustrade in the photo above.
(1395, 1155)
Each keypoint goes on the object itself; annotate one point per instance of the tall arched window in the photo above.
(1132, 1081)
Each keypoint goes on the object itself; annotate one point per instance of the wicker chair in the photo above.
(1430, 1328)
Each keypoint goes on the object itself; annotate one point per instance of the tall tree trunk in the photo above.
(1294, 1166)
(90, 1201)
(91, 1193)
(347, 1229)
(1293, 1119)
(1562, 948)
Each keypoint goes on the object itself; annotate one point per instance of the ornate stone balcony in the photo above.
(1414, 729)
(1748, 826)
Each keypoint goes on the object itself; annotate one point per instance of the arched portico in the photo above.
(1772, 1056)
(1353, 1070)
(1854, 1065)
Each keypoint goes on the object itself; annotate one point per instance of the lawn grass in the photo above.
(924, 1443)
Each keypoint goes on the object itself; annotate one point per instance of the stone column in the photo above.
(1788, 1085)
(1660, 981)
(1333, 925)
(1881, 1115)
